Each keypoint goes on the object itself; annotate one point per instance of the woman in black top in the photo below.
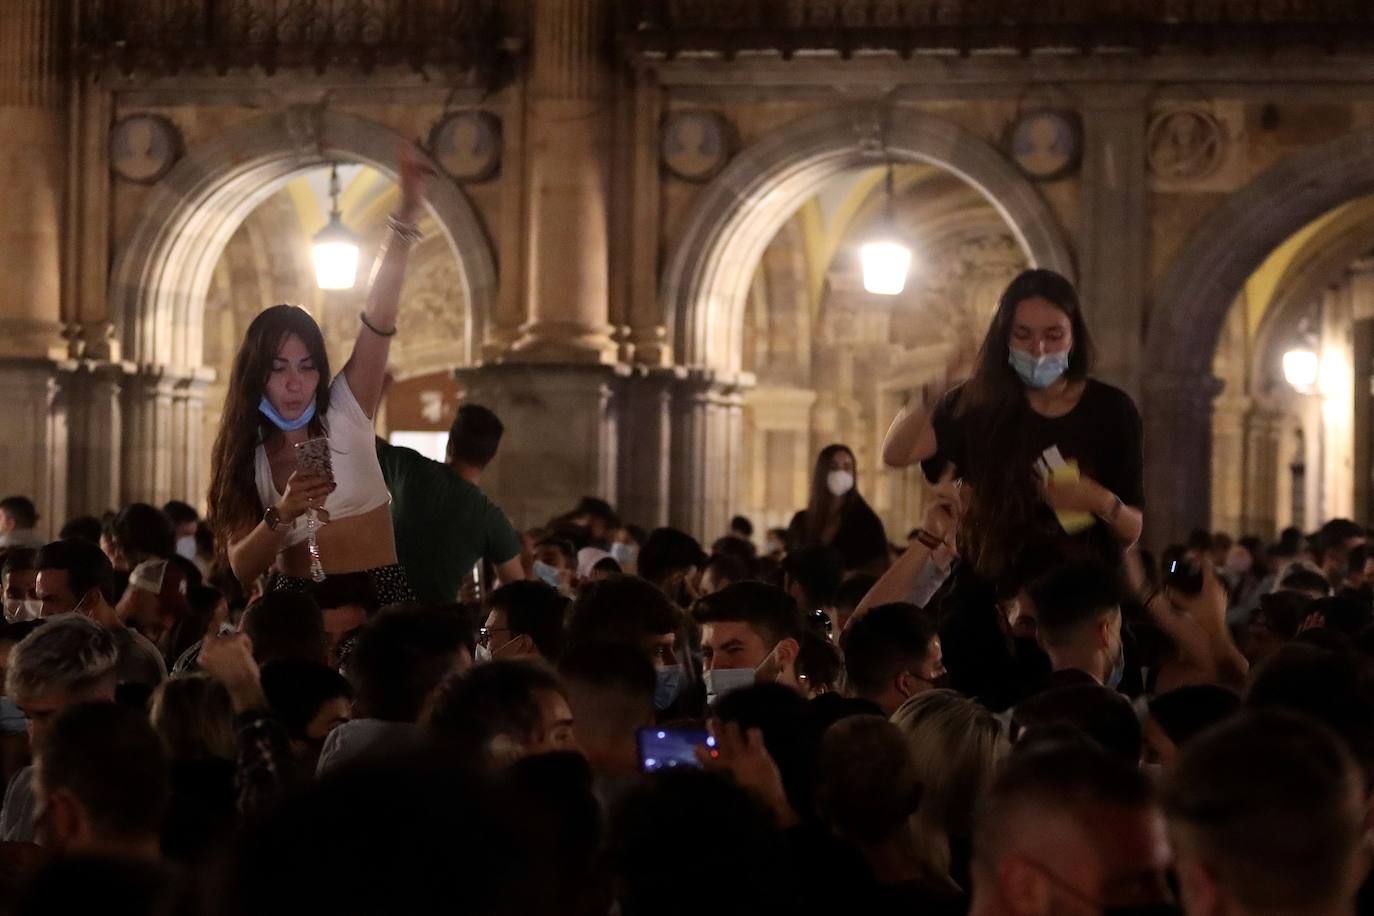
(837, 516)
(1047, 454)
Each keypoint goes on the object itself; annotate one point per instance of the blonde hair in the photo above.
(194, 717)
(957, 746)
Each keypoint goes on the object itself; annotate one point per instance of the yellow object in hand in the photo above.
(1070, 520)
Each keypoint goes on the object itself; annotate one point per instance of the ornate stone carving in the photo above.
(468, 145)
(143, 148)
(1046, 144)
(1185, 144)
(696, 145)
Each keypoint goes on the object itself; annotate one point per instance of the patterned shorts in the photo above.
(390, 582)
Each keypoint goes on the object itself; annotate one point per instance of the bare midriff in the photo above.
(347, 545)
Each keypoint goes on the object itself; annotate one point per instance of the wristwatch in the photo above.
(272, 518)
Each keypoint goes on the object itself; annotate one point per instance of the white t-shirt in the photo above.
(353, 448)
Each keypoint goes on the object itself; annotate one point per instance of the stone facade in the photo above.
(637, 283)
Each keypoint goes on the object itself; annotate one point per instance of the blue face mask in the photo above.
(1039, 373)
(547, 574)
(668, 686)
(267, 410)
(625, 554)
(1118, 669)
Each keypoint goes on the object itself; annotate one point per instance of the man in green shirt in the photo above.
(444, 523)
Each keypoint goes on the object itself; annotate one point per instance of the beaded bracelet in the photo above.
(409, 233)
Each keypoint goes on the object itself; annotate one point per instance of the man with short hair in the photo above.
(1267, 813)
(524, 620)
(443, 521)
(310, 700)
(285, 625)
(631, 612)
(68, 660)
(673, 560)
(19, 582)
(750, 632)
(19, 523)
(1078, 616)
(498, 713)
(1069, 830)
(401, 657)
(610, 689)
(813, 576)
(891, 654)
(75, 577)
(102, 783)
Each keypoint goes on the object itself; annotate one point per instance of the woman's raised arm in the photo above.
(366, 368)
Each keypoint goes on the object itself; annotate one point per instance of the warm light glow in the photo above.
(1301, 368)
(336, 257)
(885, 267)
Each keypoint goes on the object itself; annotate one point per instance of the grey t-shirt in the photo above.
(367, 739)
(16, 819)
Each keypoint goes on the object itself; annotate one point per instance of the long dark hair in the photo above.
(818, 509)
(1005, 492)
(233, 500)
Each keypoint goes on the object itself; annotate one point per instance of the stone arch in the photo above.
(706, 283)
(1192, 302)
(160, 277)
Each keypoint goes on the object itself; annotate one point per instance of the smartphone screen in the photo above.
(670, 748)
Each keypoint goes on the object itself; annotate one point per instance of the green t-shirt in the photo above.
(444, 524)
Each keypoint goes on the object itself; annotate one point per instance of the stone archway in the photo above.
(705, 287)
(1191, 304)
(161, 276)
(706, 284)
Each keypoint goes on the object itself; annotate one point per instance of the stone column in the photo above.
(1178, 450)
(162, 428)
(707, 423)
(97, 434)
(32, 158)
(33, 450)
(566, 175)
(560, 440)
(1229, 493)
(1264, 463)
(646, 441)
(1114, 247)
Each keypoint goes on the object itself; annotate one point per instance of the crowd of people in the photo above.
(356, 687)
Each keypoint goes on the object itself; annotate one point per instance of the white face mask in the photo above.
(186, 546)
(723, 681)
(17, 609)
(839, 482)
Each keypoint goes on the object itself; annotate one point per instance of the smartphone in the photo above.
(313, 457)
(671, 748)
(1184, 576)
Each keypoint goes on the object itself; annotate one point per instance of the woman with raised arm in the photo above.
(1047, 453)
(280, 395)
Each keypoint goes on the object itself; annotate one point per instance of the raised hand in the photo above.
(304, 491)
(412, 169)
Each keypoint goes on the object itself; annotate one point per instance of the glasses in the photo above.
(484, 634)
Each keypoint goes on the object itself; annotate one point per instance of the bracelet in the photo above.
(409, 233)
(926, 539)
(362, 316)
(1111, 514)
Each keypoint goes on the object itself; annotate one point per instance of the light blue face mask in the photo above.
(668, 686)
(724, 681)
(547, 574)
(1039, 373)
(1118, 669)
(625, 554)
(267, 410)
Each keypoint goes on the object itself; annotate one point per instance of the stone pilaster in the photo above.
(707, 433)
(1229, 493)
(646, 441)
(561, 434)
(1264, 462)
(96, 420)
(32, 158)
(1178, 450)
(566, 154)
(33, 450)
(1115, 241)
(162, 428)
